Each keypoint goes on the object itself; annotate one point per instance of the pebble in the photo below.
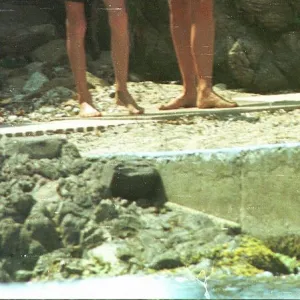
(12, 118)
(76, 110)
(60, 115)
(46, 110)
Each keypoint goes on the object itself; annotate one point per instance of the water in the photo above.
(156, 287)
(256, 288)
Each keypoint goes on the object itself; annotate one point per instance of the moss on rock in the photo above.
(249, 258)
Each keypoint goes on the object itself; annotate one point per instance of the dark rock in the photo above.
(288, 245)
(13, 241)
(167, 260)
(274, 15)
(287, 60)
(132, 180)
(21, 24)
(34, 252)
(21, 204)
(4, 277)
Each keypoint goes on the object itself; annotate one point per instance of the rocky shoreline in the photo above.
(63, 216)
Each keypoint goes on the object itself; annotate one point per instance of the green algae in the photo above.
(252, 257)
(249, 257)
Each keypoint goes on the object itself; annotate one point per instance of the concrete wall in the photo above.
(258, 187)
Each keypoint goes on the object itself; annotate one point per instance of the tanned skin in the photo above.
(193, 33)
(76, 30)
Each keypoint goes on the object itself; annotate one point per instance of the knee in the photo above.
(118, 19)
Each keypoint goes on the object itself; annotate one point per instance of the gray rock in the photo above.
(35, 82)
(12, 241)
(71, 227)
(50, 265)
(126, 226)
(69, 207)
(34, 147)
(70, 152)
(21, 205)
(47, 110)
(106, 210)
(42, 229)
(53, 52)
(35, 66)
(56, 95)
(4, 277)
(92, 235)
(23, 275)
(205, 265)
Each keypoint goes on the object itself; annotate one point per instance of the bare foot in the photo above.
(214, 101)
(125, 99)
(87, 110)
(181, 102)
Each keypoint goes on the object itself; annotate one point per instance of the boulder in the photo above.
(23, 28)
(54, 52)
(35, 82)
(132, 180)
(34, 147)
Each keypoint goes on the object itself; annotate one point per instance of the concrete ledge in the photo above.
(257, 187)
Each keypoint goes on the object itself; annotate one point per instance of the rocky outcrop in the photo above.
(24, 28)
(256, 41)
(63, 216)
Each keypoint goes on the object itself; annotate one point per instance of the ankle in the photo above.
(85, 98)
(189, 92)
(204, 90)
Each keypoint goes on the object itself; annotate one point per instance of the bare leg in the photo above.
(180, 22)
(118, 20)
(202, 39)
(76, 28)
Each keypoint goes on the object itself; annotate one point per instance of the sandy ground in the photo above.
(193, 133)
(185, 133)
